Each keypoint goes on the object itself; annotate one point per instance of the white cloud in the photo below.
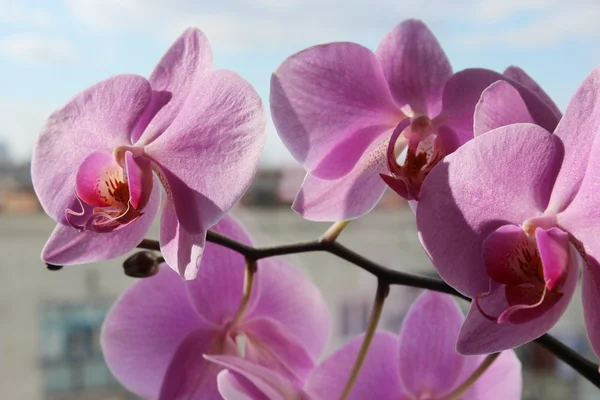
(15, 12)
(240, 24)
(37, 49)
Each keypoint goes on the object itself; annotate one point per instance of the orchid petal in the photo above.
(427, 359)
(98, 119)
(378, 378)
(520, 76)
(415, 67)
(218, 137)
(479, 335)
(578, 130)
(500, 104)
(143, 329)
(189, 375)
(329, 103)
(463, 91)
(67, 245)
(348, 197)
(175, 75)
(501, 381)
(479, 188)
(268, 383)
(291, 298)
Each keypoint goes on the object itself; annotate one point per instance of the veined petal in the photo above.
(329, 103)
(501, 381)
(520, 76)
(67, 245)
(463, 91)
(290, 297)
(415, 67)
(428, 362)
(267, 384)
(348, 197)
(579, 131)
(144, 328)
(174, 76)
(209, 154)
(190, 376)
(500, 104)
(479, 335)
(98, 119)
(378, 378)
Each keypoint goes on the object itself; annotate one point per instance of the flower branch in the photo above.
(583, 366)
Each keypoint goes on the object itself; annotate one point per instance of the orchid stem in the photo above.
(583, 366)
(383, 290)
(249, 274)
(332, 233)
(470, 381)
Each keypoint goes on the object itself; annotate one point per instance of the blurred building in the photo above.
(16, 189)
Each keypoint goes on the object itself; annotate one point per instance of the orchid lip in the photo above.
(531, 268)
(111, 194)
(424, 150)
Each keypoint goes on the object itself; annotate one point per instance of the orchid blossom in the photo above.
(156, 334)
(421, 363)
(511, 217)
(199, 131)
(345, 113)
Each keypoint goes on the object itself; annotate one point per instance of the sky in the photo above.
(52, 49)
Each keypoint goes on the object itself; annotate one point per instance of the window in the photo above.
(72, 360)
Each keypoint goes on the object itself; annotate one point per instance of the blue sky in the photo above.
(52, 49)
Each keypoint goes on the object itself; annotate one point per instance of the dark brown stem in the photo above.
(583, 366)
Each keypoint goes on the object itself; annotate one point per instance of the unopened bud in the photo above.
(141, 265)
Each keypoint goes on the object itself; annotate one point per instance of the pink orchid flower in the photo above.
(420, 363)
(156, 334)
(199, 131)
(510, 217)
(339, 107)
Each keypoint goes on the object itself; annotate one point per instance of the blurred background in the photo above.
(50, 50)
